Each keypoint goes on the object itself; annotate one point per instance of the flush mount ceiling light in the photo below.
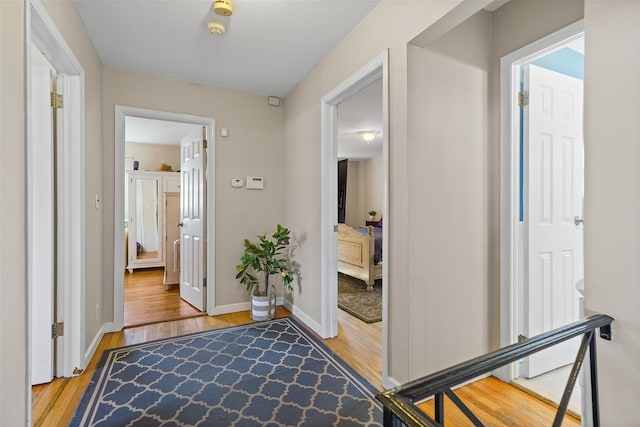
(215, 27)
(368, 135)
(222, 7)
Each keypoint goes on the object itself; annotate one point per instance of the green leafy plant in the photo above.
(372, 213)
(267, 256)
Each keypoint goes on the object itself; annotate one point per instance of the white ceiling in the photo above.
(362, 111)
(268, 48)
(160, 132)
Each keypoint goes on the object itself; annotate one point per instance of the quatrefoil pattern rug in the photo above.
(263, 374)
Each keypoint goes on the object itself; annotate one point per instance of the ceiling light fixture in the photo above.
(368, 135)
(215, 27)
(222, 7)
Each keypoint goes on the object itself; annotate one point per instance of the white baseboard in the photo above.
(241, 306)
(390, 382)
(110, 327)
(304, 317)
(91, 350)
(231, 308)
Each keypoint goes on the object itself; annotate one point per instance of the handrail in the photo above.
(399, 402)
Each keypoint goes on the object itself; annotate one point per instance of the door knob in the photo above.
(577, 220)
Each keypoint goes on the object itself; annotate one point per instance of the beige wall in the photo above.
(372, 178)
(13, 263)
(440, 194)
(68, 22)
(449, 193)
(365, 190)
(151, 156)
(454, 180)
(387, 26)
(612, 200)
(254, 147)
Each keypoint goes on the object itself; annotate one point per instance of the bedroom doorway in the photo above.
(147, 240)
(152, 191)
(543, 266)
(343, 116)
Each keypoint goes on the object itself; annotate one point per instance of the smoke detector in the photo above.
(222, 7)
(215, 27)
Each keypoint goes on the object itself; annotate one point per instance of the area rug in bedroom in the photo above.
(354, 298)
(267, 373)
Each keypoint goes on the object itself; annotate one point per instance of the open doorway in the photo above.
(177, 205)
(544, 261)
(343, 116)
(360, 203)
(152, 194)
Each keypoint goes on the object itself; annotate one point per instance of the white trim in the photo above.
(390, 382)
(42, 31)
(118, 235)
(509, 160)
(95, 342)
(302, 316)
(377, 68)
(109, 327)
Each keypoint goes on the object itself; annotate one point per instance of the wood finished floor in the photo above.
(359, 344)
(146, 300)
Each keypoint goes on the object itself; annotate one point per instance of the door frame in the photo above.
(121, 112)
(510, 229)
(377, 68)
(70, 275)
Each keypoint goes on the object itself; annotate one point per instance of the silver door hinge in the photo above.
(335, 228)
(204, 143)
(57, 330)
(523, 98)
(204, 282)
(56, 100)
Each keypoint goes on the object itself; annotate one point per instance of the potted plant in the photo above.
(372, 215)
(267, 256)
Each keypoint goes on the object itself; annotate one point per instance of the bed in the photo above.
(360, 253)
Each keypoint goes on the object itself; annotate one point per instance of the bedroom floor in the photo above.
(146, 300)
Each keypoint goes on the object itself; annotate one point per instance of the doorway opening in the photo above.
(164, 192)
(152, 194)
(341, 120)
(543, 191)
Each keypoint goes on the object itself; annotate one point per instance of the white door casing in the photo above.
(193, 220)
(553, 193)
(41, 230)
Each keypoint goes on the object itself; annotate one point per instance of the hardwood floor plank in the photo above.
(146, 300)
(497, 403)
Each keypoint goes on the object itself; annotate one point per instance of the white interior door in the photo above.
(193, 220)
(41, 233)
(554, 192)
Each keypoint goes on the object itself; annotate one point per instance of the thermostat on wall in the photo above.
(255, 183)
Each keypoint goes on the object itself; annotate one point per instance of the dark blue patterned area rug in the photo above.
(272, 373)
